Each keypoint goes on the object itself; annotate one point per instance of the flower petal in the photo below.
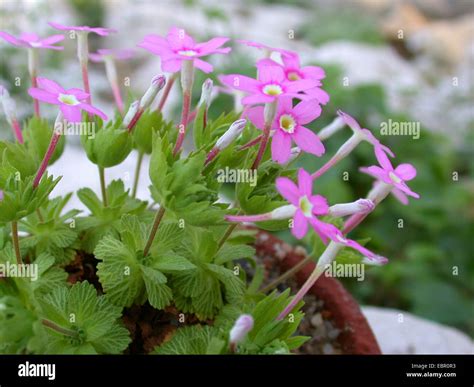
(203, 65)
(377, 172)
(313, 72)
(318, 94)
(288, 190)
(212, 45)
(281, 147)
(325, 231)
(349, 120)
(301, 85)
(383, 159)
(52, 39)
(49, 85)
(320, 205)
(300, 225)
(43, 95)
(71, 113)
(91, 109)
(307, 111)
(406, 171)
(305, 183)
(240, 82)
(257, 98)
(400, 196)
(171, 66)
(269, 74)
(178, 38)
(255, 115)
(308, 141)
(11, 39)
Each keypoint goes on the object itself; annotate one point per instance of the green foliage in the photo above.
(109, 145)
(151, 124)
(37, 135)
(91, 320)
(53, 233)
(20, 198)
(105, 220)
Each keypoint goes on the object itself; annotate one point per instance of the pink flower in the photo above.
(264, 47)
(308, 206)
(271, 85)
(70, 101)
(96, 30)
(365, 133)
(118, 54)
(395, 177)
(294, 72)
(33, 41)
(288, 126)
(178, 46)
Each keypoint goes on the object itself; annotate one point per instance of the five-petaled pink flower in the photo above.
(178, 46)
(366, 134)
(33, 41)
(295, 72)
(308, 206)
(118, 54)
(70, 101)
(271, 85)
(395, 177)
(288, 127)
(96, 30)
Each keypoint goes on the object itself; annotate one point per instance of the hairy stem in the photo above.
(59, 329)
(166, 93)
(103, 186)
(16, 242)
(269, 113)
(137, 174)
(184, 121)
(154, 229)
(287, 274)
(226, 235)
(49, 153)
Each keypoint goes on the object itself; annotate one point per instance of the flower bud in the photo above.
(231, 134)
(242, 326)
(284, 212)
(206, 93)
(132, 110)
(336, 125)
(157, 84)
(344, 209)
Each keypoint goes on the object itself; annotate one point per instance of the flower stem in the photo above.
(33, 70)
(17, 129)
(287, 274)
(50, 151)
(166, 92)
(103, 186)
(326, 258)
(226, 235)
(154, 229)
(251, 143)
(137, 174)
(16, 242)
(184, 121)
(85, 80)
(59, 329)
(269, 112)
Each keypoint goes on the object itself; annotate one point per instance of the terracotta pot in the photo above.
(356, 337)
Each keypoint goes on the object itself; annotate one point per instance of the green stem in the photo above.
(137, 174)
(40, 215)
(59, 329)
(16, 243)
(227, 234)
(287, 274)
(102, 186)
(154, 229)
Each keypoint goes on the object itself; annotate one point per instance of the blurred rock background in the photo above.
(404, 60)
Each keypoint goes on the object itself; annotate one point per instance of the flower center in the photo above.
(306, 206)
(272, 90)
(68, 99)
(187, 52)
(287, 123)
(394, 178)
(293, 76)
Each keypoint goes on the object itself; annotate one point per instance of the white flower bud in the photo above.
(344, 209)
(231, 134)
(132, 110)
(284, 212)
(242, 326)
(157, 83)
(206, 92)
(9, 106)
(336, 125)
